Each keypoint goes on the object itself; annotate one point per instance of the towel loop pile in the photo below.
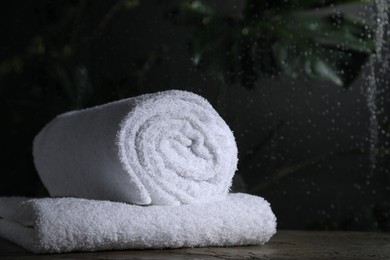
(169, 150)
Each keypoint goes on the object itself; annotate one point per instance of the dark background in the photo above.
(304, 144)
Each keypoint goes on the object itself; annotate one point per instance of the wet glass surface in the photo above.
(302, 84)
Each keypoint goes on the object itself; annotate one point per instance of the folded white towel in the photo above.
(68, 224)
(167, 148)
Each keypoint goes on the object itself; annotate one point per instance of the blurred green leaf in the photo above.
(273, 37)
(346, 31)
(13, 65)
(130, 4)
(198, 7)
(37, 46)
(284, 60)
(319, 69)
(311, 4)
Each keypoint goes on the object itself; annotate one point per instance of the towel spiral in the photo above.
(182, 150)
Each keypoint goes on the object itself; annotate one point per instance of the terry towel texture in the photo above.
(167, 148)
(69, 224)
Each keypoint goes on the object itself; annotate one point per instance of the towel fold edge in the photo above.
(212, 224)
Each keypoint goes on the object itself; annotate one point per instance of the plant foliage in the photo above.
(270, 37)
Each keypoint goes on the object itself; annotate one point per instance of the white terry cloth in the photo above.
(166, 148)
(54, 225)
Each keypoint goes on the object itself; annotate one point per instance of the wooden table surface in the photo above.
(284, 245)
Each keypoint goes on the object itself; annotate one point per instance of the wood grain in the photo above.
(284, 245)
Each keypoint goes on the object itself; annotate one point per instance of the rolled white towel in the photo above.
(165, 148)
(55, 225)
